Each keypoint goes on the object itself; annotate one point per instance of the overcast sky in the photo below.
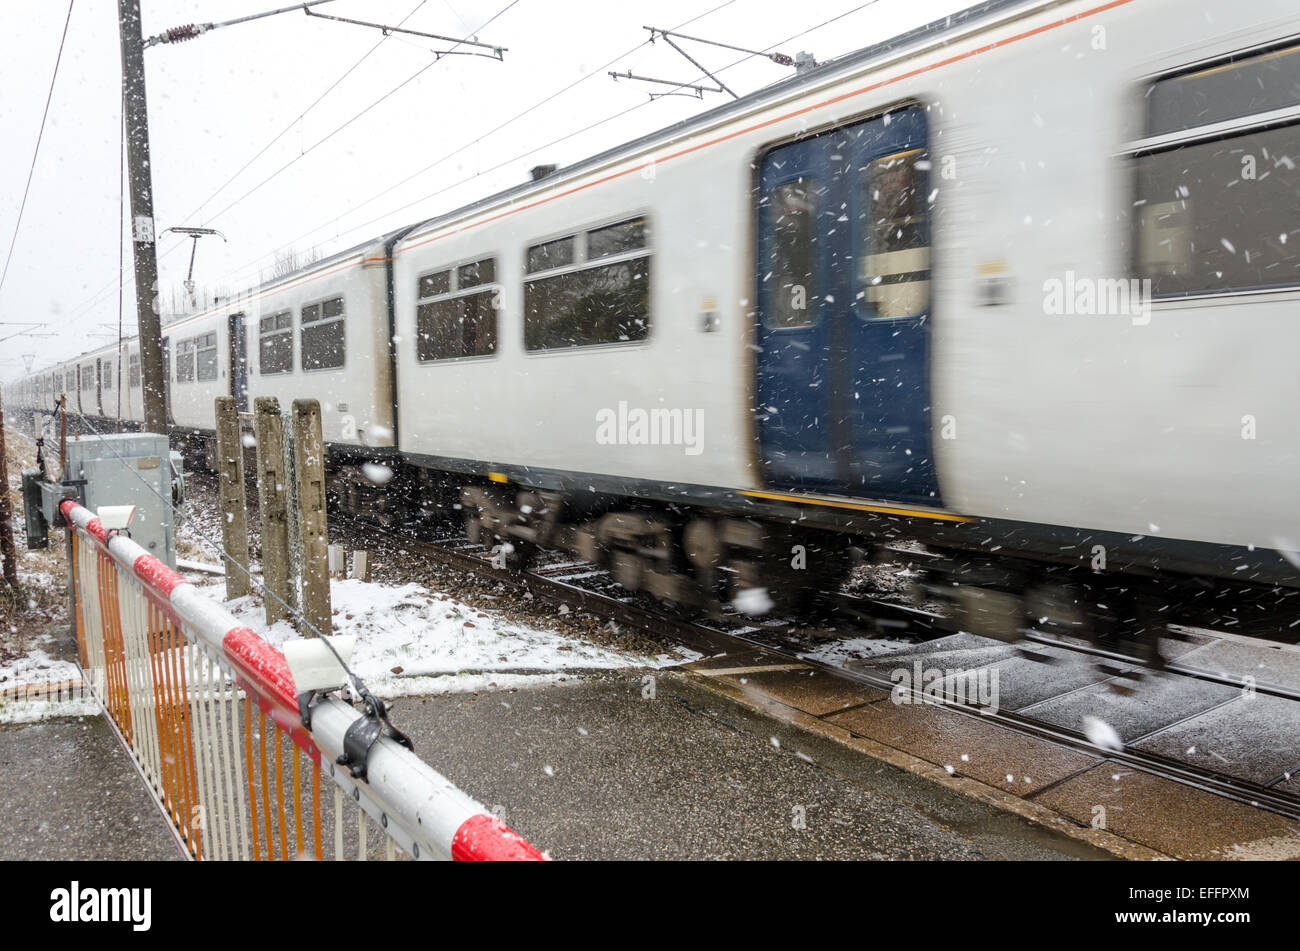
(216, 101)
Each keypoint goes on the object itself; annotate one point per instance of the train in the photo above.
(1017, 285)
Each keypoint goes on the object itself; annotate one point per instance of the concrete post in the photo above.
(309, 465)
(234, 509)
(271, 490)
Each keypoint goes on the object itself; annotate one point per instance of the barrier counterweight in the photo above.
(209, 713)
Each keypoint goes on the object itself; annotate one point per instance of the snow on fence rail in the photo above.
(208, 711)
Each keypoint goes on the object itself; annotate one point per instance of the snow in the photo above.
(839, 652)
(753, 601)
(411, 640)
(1101, 734)
(36, 668)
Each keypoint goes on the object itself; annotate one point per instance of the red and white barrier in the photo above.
(168, 719)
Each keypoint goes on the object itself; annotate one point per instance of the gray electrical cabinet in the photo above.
(133, 469)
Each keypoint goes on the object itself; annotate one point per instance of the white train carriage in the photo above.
(1022, 276)
(323, 333)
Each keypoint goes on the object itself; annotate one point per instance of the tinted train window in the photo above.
(185, 361)
(275, 344)
(108, 375)
(1232, 90)
(133, 370)
(322, 335)
(206, 347)
(1215, 213)
(894, 245)
(87, 378)
(557, 253)
(458, 319)
(790, 215)
(588, 304)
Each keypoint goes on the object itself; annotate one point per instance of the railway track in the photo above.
(558, 579)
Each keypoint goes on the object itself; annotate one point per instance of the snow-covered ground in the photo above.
(411, 640)
(840, 651)
(36, 669)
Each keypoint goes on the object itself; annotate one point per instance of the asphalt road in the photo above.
(72, 793)
(597, 770)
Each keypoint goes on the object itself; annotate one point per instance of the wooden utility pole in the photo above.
(142, 224)
(309, 466)
(271, 488)
(7, 550)
(234, 507)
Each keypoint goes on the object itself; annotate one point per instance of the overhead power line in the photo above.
(37, 151)
(528, 110)
(81, 309)
(319, 142)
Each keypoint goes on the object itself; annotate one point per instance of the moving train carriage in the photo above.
(895, 295)
(323, 332)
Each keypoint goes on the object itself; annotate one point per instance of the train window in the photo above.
(790, 215)
(616, 239)
(557, 253)
(108, 375)
(590, 304)
(432, 285)
(69, 381)
(894, 243)
(87, 378)
(458, 321)
(476, 274)
(275, 344)
(1213, 210)
(133, 371)
(323, 335)
(206, 353)
(1257, 84)
(185, 361)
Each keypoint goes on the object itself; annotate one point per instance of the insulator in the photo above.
(178, 34)
(782, 60)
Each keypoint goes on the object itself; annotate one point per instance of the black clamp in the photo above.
(305, 700)
(364, 732)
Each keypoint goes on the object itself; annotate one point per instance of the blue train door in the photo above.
(842, 389)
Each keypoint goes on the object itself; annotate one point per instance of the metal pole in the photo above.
(142, 228)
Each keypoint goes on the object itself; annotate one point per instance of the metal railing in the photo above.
(208, 711)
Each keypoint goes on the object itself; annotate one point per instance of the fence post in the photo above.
(7, 550)
(234, 511)
(269, 430)
(309, 469)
